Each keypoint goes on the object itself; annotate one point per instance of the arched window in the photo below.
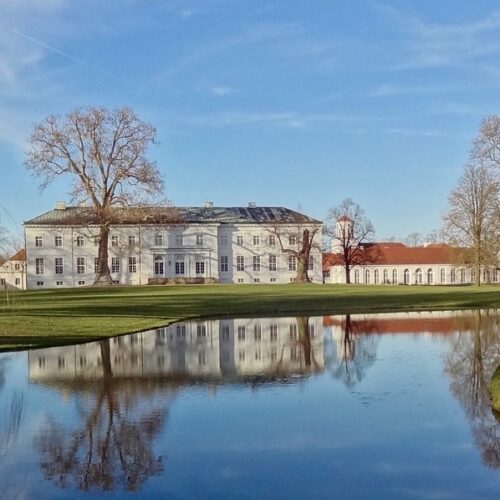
(367, 276)
(376, 276)
(430, 276)
(356, 276)
(394, 276)
(462, 275)
(473, 276)
(452, 276)
(386, 276)
(406, 277)
(443, 276)
(418, 276)
(159, 266)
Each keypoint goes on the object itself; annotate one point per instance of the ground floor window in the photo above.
(418, 276)
(200, 267)
(132, 264)
(430, 276)
(159, 266)
(115, 265)
(443, 276)
(179, 267)
(356, 276)
(394, 276)
(406, 277)
(376, 277)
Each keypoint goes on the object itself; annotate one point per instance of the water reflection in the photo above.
(122, 391)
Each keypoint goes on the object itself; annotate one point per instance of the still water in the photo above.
(361, 406)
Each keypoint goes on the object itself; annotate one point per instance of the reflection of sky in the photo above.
(398, 433)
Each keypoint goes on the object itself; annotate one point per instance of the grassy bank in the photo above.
(48, 317)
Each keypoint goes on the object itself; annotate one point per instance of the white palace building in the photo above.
(206, 245)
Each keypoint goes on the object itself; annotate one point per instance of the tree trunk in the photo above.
(347, 268)
(302, 276)
(103, 276)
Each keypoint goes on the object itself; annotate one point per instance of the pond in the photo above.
(360, 406)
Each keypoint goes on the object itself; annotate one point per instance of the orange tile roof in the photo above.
(389, 254)
(21, 255)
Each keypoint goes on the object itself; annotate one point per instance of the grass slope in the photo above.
(51, 317)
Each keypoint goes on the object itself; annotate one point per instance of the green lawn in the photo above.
(63, 316)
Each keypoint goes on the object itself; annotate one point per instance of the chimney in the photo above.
(252, 204)
(60, 205)
(209, 204)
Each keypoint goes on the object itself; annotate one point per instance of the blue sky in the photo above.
(287, 102)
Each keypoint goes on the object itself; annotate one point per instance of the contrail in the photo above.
(65, 54)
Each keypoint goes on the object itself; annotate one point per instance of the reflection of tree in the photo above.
(113, 448)
(356, 352)
(473, 357)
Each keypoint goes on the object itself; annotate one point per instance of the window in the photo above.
(179, 240)
(59, 283)
(394, 276)
(38, 241)
(132, 264)
(223, 240)
(241, 333)
(59, 267)
(96, 265)
(292, 263)
(131, 241)
(18, 281)
(273, 333)
(356, 276)
(418, 276)
(81, 283)
(17, 267)
(272, 240)
(179, 267)
(114, 241)
(386, 276)
(272, 263)
(2, 281)
(80, 242)
(159, 266)
(257, 333)
(200, 267)
(406, 277)
(443, 276)
(199, 239)
(430, 277)
(39, 283)
(240, 263)
(376, 276)
(310, 263)
(292, 240)
(256, 263)
(272, 280)
(239, 240)
(40, 266)
(201, 331)
(256, 280)
(241, 280)
(58, 241)
(462, 275)
(224, 264)
(256, 241)
(115, 265)
(241, 355)
(367, 276)
(202, 359)
(452, 276)
(80, 265)
(159, 240)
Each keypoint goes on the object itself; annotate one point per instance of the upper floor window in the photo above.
(223, 240)
(159, 240)
(272, 240)
(38, 241)
(179, 240)
(239, 240)
(131, 241)
(256, 241)
(292, 240)
(80, 242)
(114, 241)
(58, 241)
(199, 239)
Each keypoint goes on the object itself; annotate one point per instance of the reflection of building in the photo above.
(204, 244)
(13, 272)
(212, 349)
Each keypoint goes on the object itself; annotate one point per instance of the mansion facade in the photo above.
(204, 245)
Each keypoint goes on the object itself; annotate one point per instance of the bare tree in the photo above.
(104, 153)
(297, 241)
(471, 220)
(349, 229)
(414, 239)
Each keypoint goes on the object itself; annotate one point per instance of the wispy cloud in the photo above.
(222, 91)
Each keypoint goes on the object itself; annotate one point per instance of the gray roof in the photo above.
(179, 215)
